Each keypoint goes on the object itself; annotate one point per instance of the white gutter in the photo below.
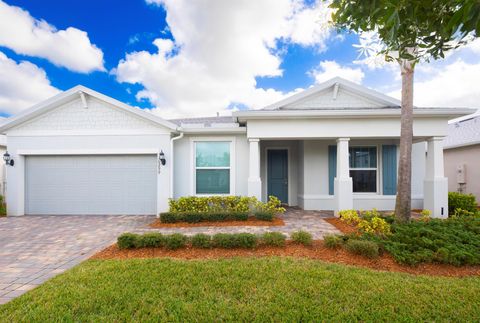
(172, 158)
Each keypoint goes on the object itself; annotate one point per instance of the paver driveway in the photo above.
(36, 248)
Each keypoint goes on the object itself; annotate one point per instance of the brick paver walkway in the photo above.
(295, 219)
(36, 248)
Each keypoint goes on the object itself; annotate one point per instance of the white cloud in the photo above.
(330, 69)
(217, 52)
(70, 48)
(452, 82)
(22, 85)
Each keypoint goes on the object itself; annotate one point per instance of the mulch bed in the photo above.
(316, 251)
(340, 225)
(250, 222)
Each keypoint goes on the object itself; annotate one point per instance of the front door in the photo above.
(277, 170)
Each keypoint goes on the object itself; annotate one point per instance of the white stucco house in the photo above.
(331, 147)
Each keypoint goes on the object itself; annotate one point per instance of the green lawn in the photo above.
(244, 289)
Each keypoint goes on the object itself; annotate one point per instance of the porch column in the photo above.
(343, 188)
(435, 195)
(254, 180)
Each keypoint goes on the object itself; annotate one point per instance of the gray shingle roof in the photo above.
(463, 133)
(203, 120)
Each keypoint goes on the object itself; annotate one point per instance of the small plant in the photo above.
(425, 215)
(302, 237)
(202, 240)
(350, 217)
(3, 206)
(128, 241)
(275, 239)
(363, 247)
(375, 225)
(264, 215)
(465, 202)
(461, 212)
(236, 240)
(151, 240)
(332, 241)
(175, 241)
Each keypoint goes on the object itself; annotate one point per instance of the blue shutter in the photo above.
(332, 167)
(389, 169)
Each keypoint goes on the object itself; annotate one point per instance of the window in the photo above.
(363, 169)
(212, 167)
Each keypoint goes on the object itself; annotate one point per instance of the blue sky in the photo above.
(208, 56)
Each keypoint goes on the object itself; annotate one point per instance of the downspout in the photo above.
(172, 158)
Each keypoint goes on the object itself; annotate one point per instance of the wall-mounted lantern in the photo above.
(8, 160)
(161, 157)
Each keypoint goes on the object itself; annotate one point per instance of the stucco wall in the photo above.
(314, 166)
(184, 163)
(470, 157)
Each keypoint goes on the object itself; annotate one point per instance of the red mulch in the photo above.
(316, 251)
(250, 222)
(340, 225)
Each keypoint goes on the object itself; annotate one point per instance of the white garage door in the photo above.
(124, 184)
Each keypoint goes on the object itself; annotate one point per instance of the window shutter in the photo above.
(389, 169)
(332, 167)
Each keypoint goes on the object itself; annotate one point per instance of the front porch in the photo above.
(345, 173)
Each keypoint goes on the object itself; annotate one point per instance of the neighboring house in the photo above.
(462, 156)
(331, 147)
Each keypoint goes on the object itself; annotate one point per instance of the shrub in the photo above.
(170, 217)
(375, 225)
(236, 240)
(175, 241)
(3, 206)
(275, 239)
(192, 217)
(425, 215)
(363, 247)
(302, 237)
(350, 217)
(264, 215)
(461, 212)
(274, 205)
(207, 204)
(201, 240)
(332, 241)
(465, 202)
(453, 241)
(151, 240)
(128, 241)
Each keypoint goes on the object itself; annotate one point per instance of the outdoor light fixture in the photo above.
(161, 157)
(7, 159)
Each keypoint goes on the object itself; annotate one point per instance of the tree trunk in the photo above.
(403, 203)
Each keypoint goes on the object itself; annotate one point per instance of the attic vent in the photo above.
(335, 91)
(84, 100)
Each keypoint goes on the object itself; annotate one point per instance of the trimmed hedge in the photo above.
(192, 217)
(363, 247)
(275, 239)
(128, 241)
(264, 215)
(332, 241)
(175, 241)
(235, 240)
(302, 237)
(203, 241)
(465, 202)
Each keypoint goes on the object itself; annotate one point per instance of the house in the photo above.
(331, 147)
(462, 156)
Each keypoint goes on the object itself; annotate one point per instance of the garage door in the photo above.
(124, 184)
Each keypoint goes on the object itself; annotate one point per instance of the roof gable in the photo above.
(336, 93)
(81, 108)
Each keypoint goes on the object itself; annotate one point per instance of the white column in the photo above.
(343, 188)
(435, 196)
(254, 180)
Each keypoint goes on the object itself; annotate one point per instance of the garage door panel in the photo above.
(91, 184)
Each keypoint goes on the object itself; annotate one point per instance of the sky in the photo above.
(181, 58)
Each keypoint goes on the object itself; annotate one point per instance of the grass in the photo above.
(242, 289)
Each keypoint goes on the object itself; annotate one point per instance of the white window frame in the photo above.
(193, 166)
(376, 169)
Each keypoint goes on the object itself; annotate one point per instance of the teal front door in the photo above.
(277, 174)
